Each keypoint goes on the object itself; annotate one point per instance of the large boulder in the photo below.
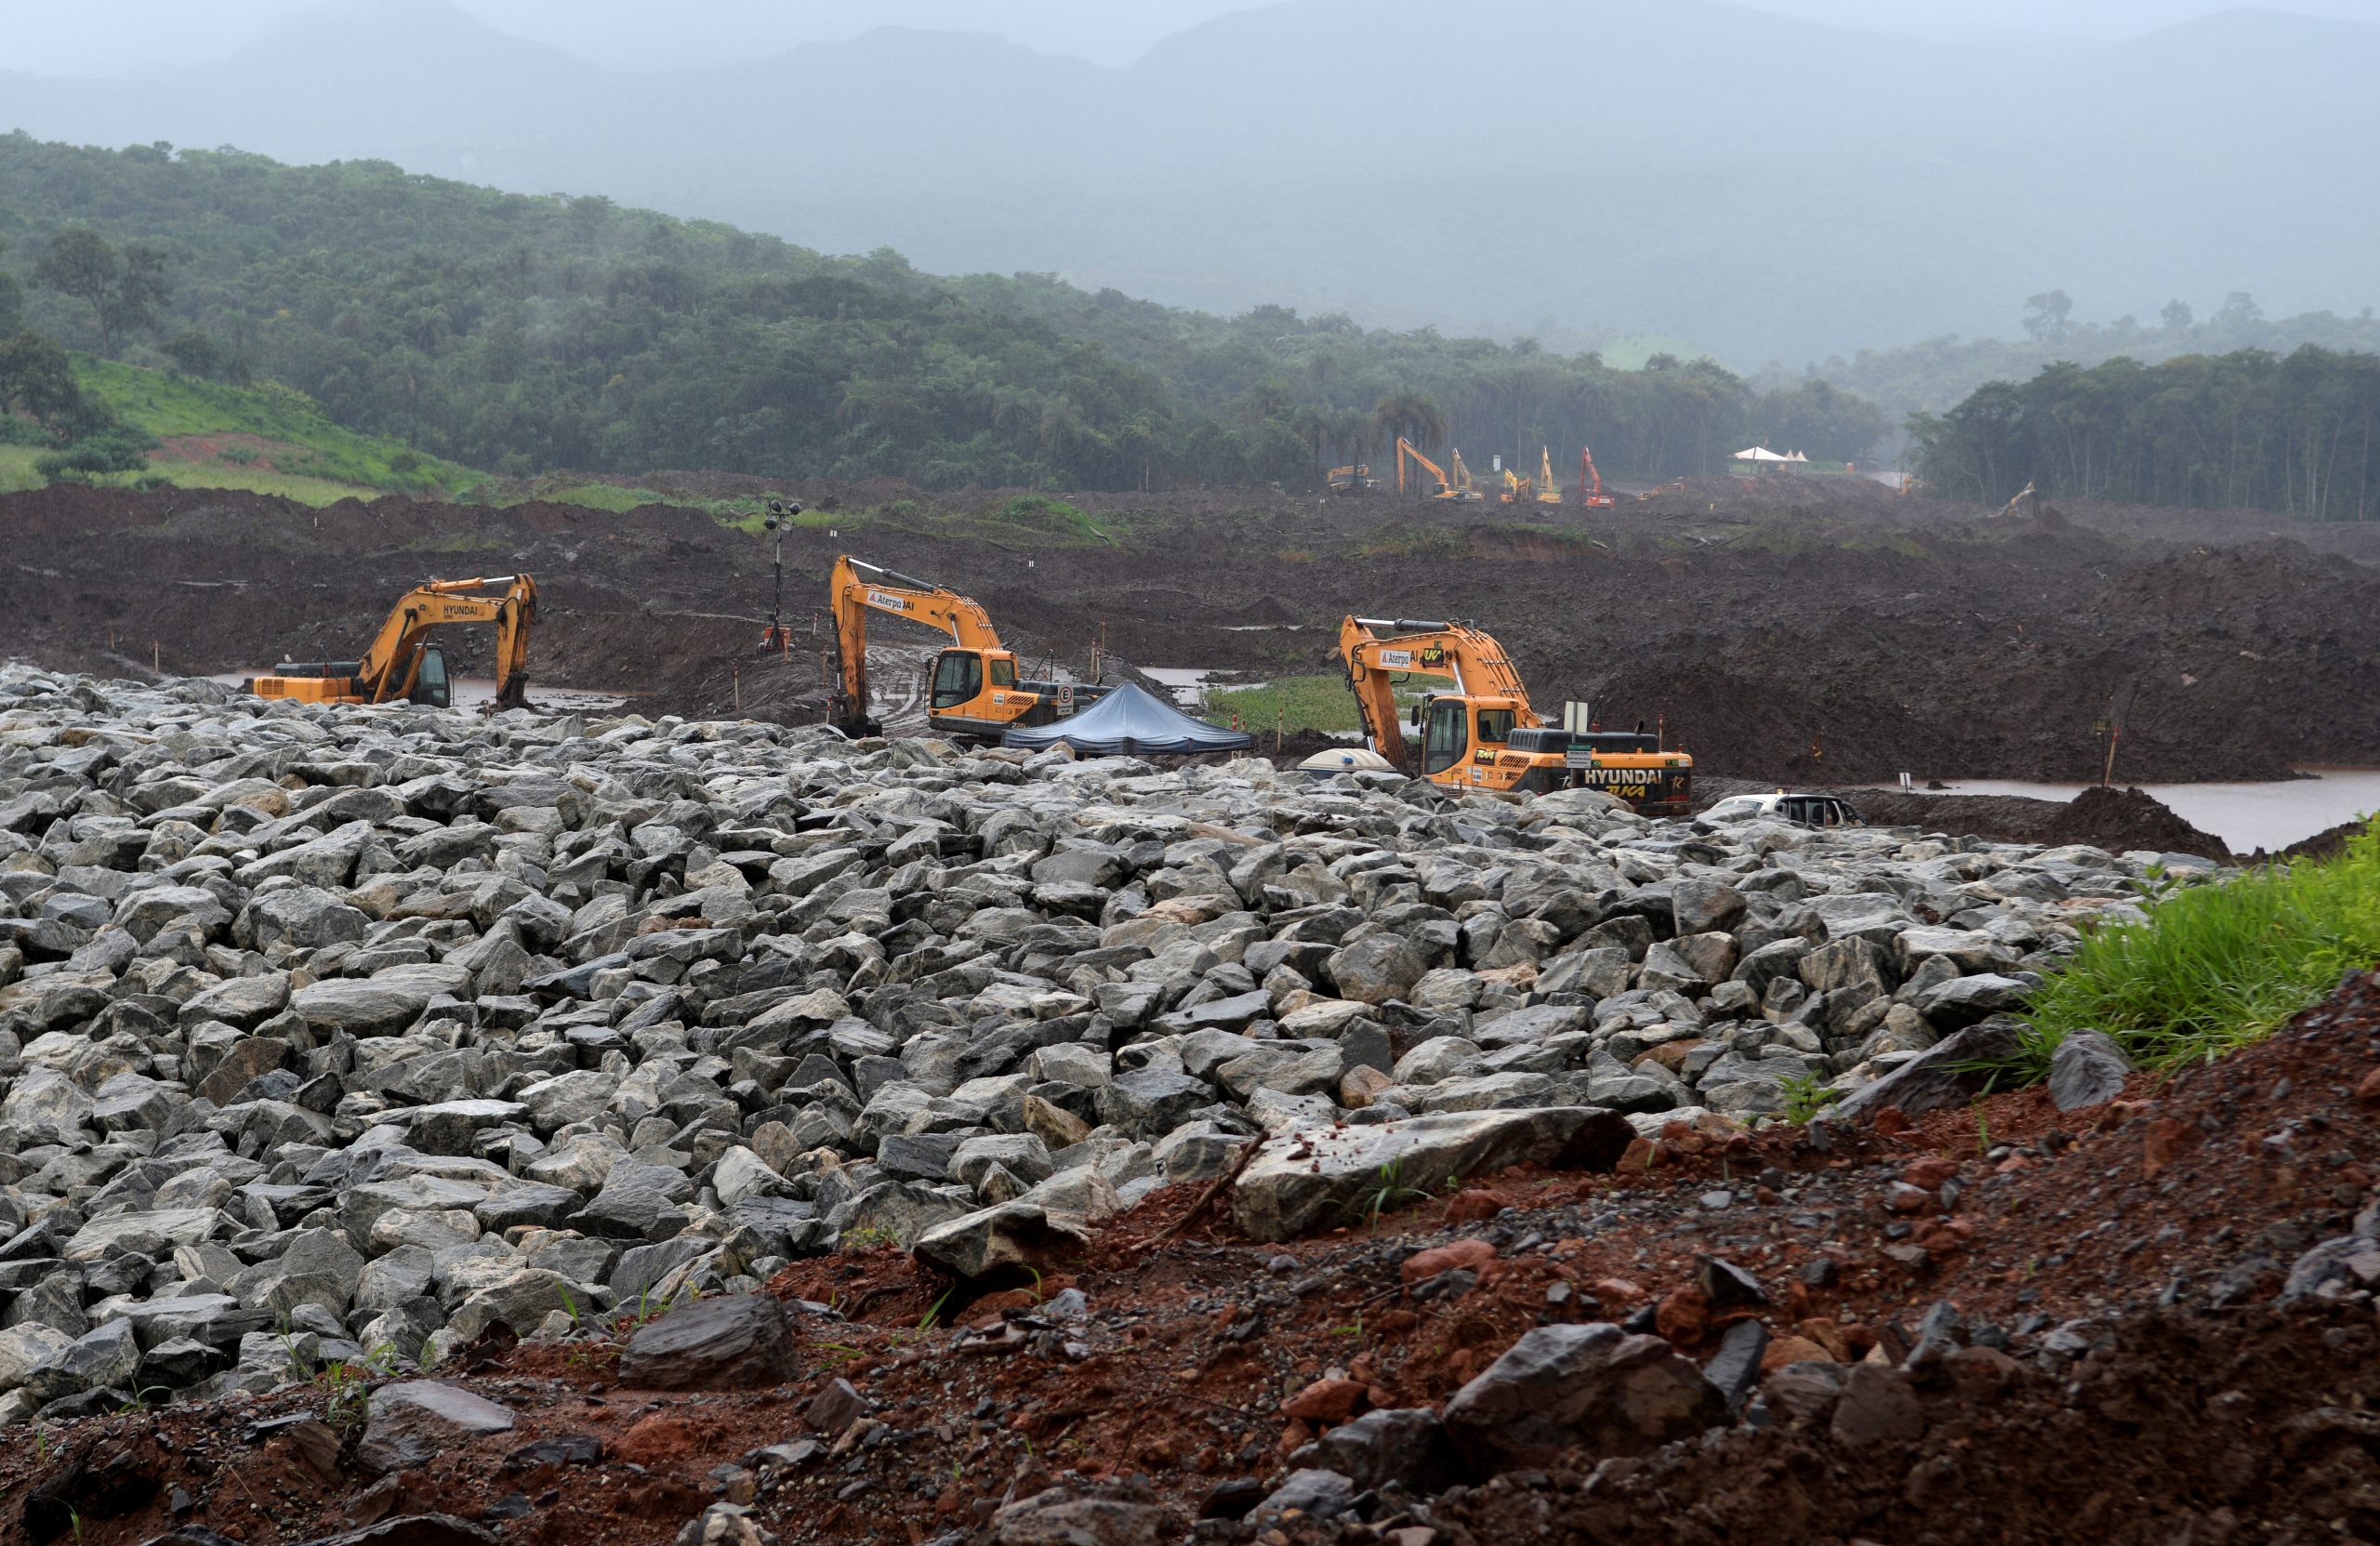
(1377, 969)
(1593, 1388)
(360, 1005)
(411, 1424)
(1009, 1240)
(1336, 1175)
(2089, 1068)
(1951, 1072)
(739, 1342)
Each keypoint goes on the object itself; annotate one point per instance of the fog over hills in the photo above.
(1765, 186)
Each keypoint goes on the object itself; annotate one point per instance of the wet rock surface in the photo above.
(771, 1146)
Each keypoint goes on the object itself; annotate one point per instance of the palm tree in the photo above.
(1408, 413)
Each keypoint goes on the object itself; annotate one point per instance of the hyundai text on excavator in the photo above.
(402, 665)
(976, 693)
(1459, 491)
(1484, 735)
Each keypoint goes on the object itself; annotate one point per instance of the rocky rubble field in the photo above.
(342, 1047)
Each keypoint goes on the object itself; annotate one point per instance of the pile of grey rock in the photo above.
(350, 1035)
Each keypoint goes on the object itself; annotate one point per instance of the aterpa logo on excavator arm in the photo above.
(890, 603)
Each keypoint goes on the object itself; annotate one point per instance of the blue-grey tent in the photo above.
(1129, 722)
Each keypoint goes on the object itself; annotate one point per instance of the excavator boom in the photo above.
(402, 665)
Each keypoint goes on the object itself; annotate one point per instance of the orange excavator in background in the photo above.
(1484, 735)
(976, 693)
(1591, 492)
(402, 665)
(1458, 491)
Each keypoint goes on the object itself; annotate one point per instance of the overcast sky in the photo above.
(101, 37)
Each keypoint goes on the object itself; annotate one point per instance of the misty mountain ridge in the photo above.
(1767, 188)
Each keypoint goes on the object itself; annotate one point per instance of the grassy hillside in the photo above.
(530, 335)
(266, 438)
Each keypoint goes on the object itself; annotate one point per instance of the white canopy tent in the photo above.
(1759, 454)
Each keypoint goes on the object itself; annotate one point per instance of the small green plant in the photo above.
(869, 1238)
(1982, 1130)
(628, 1321)
(842, 1349)
(933, 1317)
(1354, 1328)
(1389, 1190)
(346, 1384)
(1806, 1098)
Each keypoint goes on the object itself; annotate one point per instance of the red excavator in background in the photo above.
(1591, 494)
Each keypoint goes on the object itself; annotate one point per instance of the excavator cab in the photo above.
(430, 683)
(1456, 729)
(962, 677)
(977, 693)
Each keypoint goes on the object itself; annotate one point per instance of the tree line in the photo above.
(2248, 429)
(524, 335)
(1932, 375)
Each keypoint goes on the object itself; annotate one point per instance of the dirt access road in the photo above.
(1821, 633)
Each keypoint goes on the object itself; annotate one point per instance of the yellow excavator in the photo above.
(1541, 488)
(402, 665)
(1484, 735)
(976, 692)
(1457, 491)
(1352, 479)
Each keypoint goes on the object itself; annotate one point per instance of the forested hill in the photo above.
(524, 334)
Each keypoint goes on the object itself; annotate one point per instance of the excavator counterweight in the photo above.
(1484, 735)
(976, 692)
(402, 665)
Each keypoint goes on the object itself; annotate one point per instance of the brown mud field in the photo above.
(1815, 633)
(1991, 1320)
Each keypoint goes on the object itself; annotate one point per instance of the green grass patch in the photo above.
(747, 514)
(2216, 967)
(1324, 702)
(1436, 544)
(304, 457)
(604, 497)
(16, 467)
(1032, 521)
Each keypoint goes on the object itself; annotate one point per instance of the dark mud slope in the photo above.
(1828, 637)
